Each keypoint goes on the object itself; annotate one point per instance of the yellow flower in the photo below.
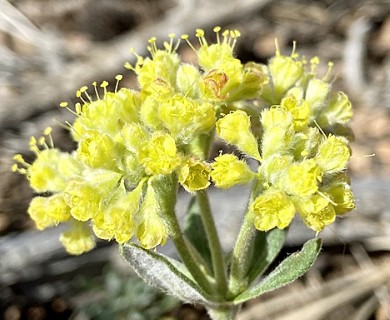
(302, 178)
(305, 144)
(272, 209)
(149, 113)
(342, 195)
(51, 168)
(187, 80)
(317, 92)
(235, 129)
(48, 211)
(107, 114)
(278, 131)
(214, 55)
(84, 194)
(162, 65)
(228, 170)
(133, 136)
(186, 118)
(276, 116)
(316, 212)
(194, 175)
(78, 239)
(152, 230)
(159, 155)
(333, 154)
(118, 219)
(274, 168)
(98, 150)
(213, 83)
(338, 110)
(300, 111)
(284, 72)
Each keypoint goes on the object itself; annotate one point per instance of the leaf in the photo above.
(287, 271)
(158, 271)
(195, 232)
(266, 248)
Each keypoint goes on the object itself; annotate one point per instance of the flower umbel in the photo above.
(285, 130)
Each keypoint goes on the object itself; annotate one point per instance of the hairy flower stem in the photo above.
(214, 243)
(241, 257)
(186, 254)
(242, 252)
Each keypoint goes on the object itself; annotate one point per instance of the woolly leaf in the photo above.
(266, 248)
(160, 272)
(287, 271)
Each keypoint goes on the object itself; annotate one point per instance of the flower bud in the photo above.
(228, 171)
(235, 129)
(152, 230)
(78, 239)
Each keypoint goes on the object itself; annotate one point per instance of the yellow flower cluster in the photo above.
(302, 159)
(127, 139)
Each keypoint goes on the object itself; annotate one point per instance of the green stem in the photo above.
(241, 257)
(214, 243)
(186, 255)
(223, 313)
(243, 251)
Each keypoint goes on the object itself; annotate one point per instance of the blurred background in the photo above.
(50, 48)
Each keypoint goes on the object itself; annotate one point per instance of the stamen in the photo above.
(47, 133)
(118, 78)
(84, 89)
(104, 85)
(216, 30)
(225, 34)
(185, 38)
(277, 51)
(153, 47)
(171, 37)
(167, 46)
(42, 142)
(313, 64)
(65, 105)
(96, 91)
(320, 129)
(78, 95)
(293, 53)
(33, 145)
(330, 68)
(78, 108)
(200, 35)
(363, 156)
(15, 168)
(139, 60)
(327, 198)
(19, 158)
(235, 34)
